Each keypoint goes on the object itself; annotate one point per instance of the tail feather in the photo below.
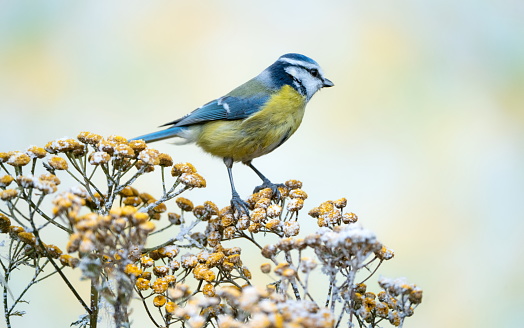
(160, 135)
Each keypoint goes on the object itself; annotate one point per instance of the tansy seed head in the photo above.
(58, 163)
(18, 159)
(5, 181)
(180, 168)
(184, 204)
(165, 160)
(293, 184)
(8, 194)
(137, 145)
(36, 152)
(89, 138)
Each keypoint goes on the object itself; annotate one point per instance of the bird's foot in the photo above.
(239, 206)
(273, 186)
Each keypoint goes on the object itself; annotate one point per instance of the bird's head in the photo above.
(301, 72)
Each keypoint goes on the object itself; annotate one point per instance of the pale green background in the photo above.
(423, 131)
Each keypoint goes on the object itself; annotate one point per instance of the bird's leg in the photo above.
(237, 204)
(265, 182)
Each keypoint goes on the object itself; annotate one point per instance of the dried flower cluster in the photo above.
(197, 276)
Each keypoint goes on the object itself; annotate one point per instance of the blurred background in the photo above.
(423, 131)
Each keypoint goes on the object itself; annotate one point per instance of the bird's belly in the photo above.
(261, 133)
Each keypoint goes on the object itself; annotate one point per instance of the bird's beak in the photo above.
(327, 83)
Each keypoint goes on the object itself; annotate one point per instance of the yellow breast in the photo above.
(258, 134)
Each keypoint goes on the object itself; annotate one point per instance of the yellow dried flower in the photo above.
(123, 150)
(181, 168)
(4, 157)
(193, 180)
(265, 267)
(293, 184)
(295, 204)
(149, 156)
(274, 210)
(159, 300)
(165, 160)
(137, 145)
(5, 181)
(129, 191)
(132, 201)
(132, 269)
(174, 218)
(58, 163)
(273, 224)
(53, 251)
(160, 270)
(18, 159)
(171, 307)
(36, 152)
(89, 138)
(215, 259)
(259, 213)
(385, 253)
(68, 260)
(146, 261)
(147, 227)
(208, 275)
(8, 194)
(184, 204)
(27, 238)
(209, 290)
(50, 177)
(117, 139)
(415, 296)
(229, 232)
(349, 218)
(5, 223)
(142, 284)
(227, 220)
(394, 319)
(298, 193)
(246, 273)
(99, 157)
(160, 286)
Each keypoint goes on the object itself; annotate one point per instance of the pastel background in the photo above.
(423, 131)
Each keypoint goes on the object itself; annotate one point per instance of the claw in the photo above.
(239, 206)
(272, 186)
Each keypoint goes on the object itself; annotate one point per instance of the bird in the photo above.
(253, 119)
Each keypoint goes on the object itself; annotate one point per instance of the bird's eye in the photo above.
(314, 72)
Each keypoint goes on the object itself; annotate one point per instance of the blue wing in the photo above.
(224, 108)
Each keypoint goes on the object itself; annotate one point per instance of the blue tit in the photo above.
(252, 120)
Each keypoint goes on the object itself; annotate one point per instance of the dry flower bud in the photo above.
(123, 150)
(349, 218)
(385, 253)
(209, 290)
(89, 138)
(184, 204)
(181, 168)
(293, 184)
(159, 300)
(5, 223)
(137, 145)
(99, 157)
(5, 181)
(165, 160)
(142, 284)
(149, 156)
(265, 268)
(174, 218)
(193, 180)
(18, 159)
(295, 204)
(36, 152)
(298, 193)
(8, 194)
